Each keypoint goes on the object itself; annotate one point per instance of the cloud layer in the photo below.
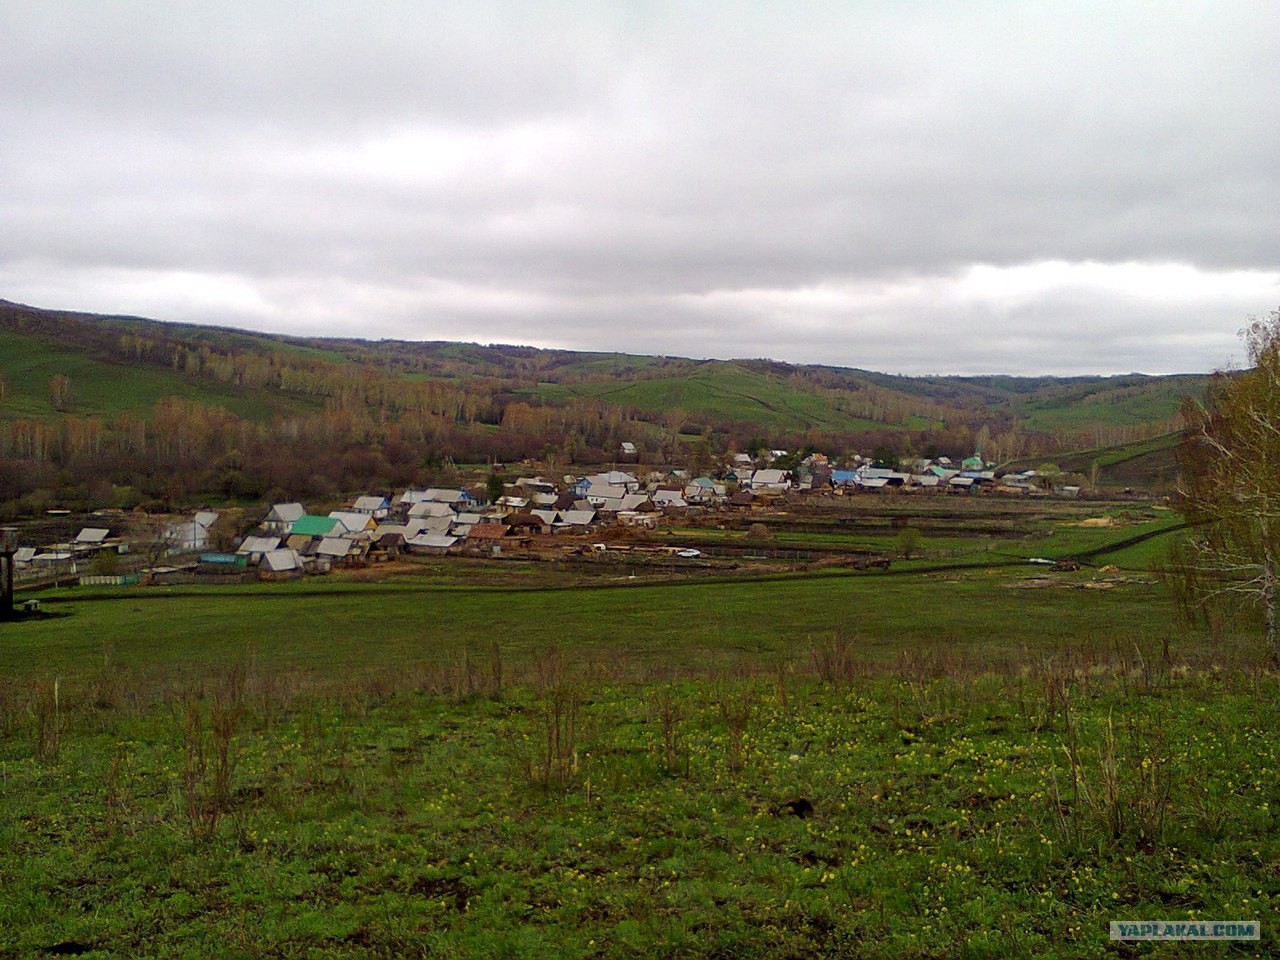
(1037, 187)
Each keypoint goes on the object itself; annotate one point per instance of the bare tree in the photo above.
(1230, 485)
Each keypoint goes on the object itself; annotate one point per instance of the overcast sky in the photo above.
(907, 187)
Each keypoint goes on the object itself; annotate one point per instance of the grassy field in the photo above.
(981, 762)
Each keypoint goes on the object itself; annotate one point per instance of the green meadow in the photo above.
(964, 761)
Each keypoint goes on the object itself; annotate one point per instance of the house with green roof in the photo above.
(309, 525)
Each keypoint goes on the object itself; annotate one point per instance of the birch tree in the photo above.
(1230, 485)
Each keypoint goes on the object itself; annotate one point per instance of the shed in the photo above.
(488, 531)
(281, 561)
(337, 547)
(430, 543)
(255, 547)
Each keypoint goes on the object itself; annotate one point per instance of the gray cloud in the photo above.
(665, 178)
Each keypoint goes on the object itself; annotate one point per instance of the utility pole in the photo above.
(8, 547)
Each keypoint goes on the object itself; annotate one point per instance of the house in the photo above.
(25, 556)
(282, 516)
(630, 518)
(697, 493)
(627, 448)
(565, 501)
(529, 485)
(635, 501)
(386, 545)
(769, 481)
(600, 493)
(619, 478)
(354, 522)
(962, 485)
(548, 517)
(844, 478)
(668, 498)
(614, 478)
(390, 529)
(527, 523)
(253, 548)
(452, 497)
(575, 520)
(703, 490)
(309, 525)
(430, 508)
(433, 524)
(891, 478)
(190, 535)
(377, 507)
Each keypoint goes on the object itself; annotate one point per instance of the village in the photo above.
(529, 516)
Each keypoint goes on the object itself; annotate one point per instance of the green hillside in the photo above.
(1119, 401)
(716, 392)
(105, 388)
